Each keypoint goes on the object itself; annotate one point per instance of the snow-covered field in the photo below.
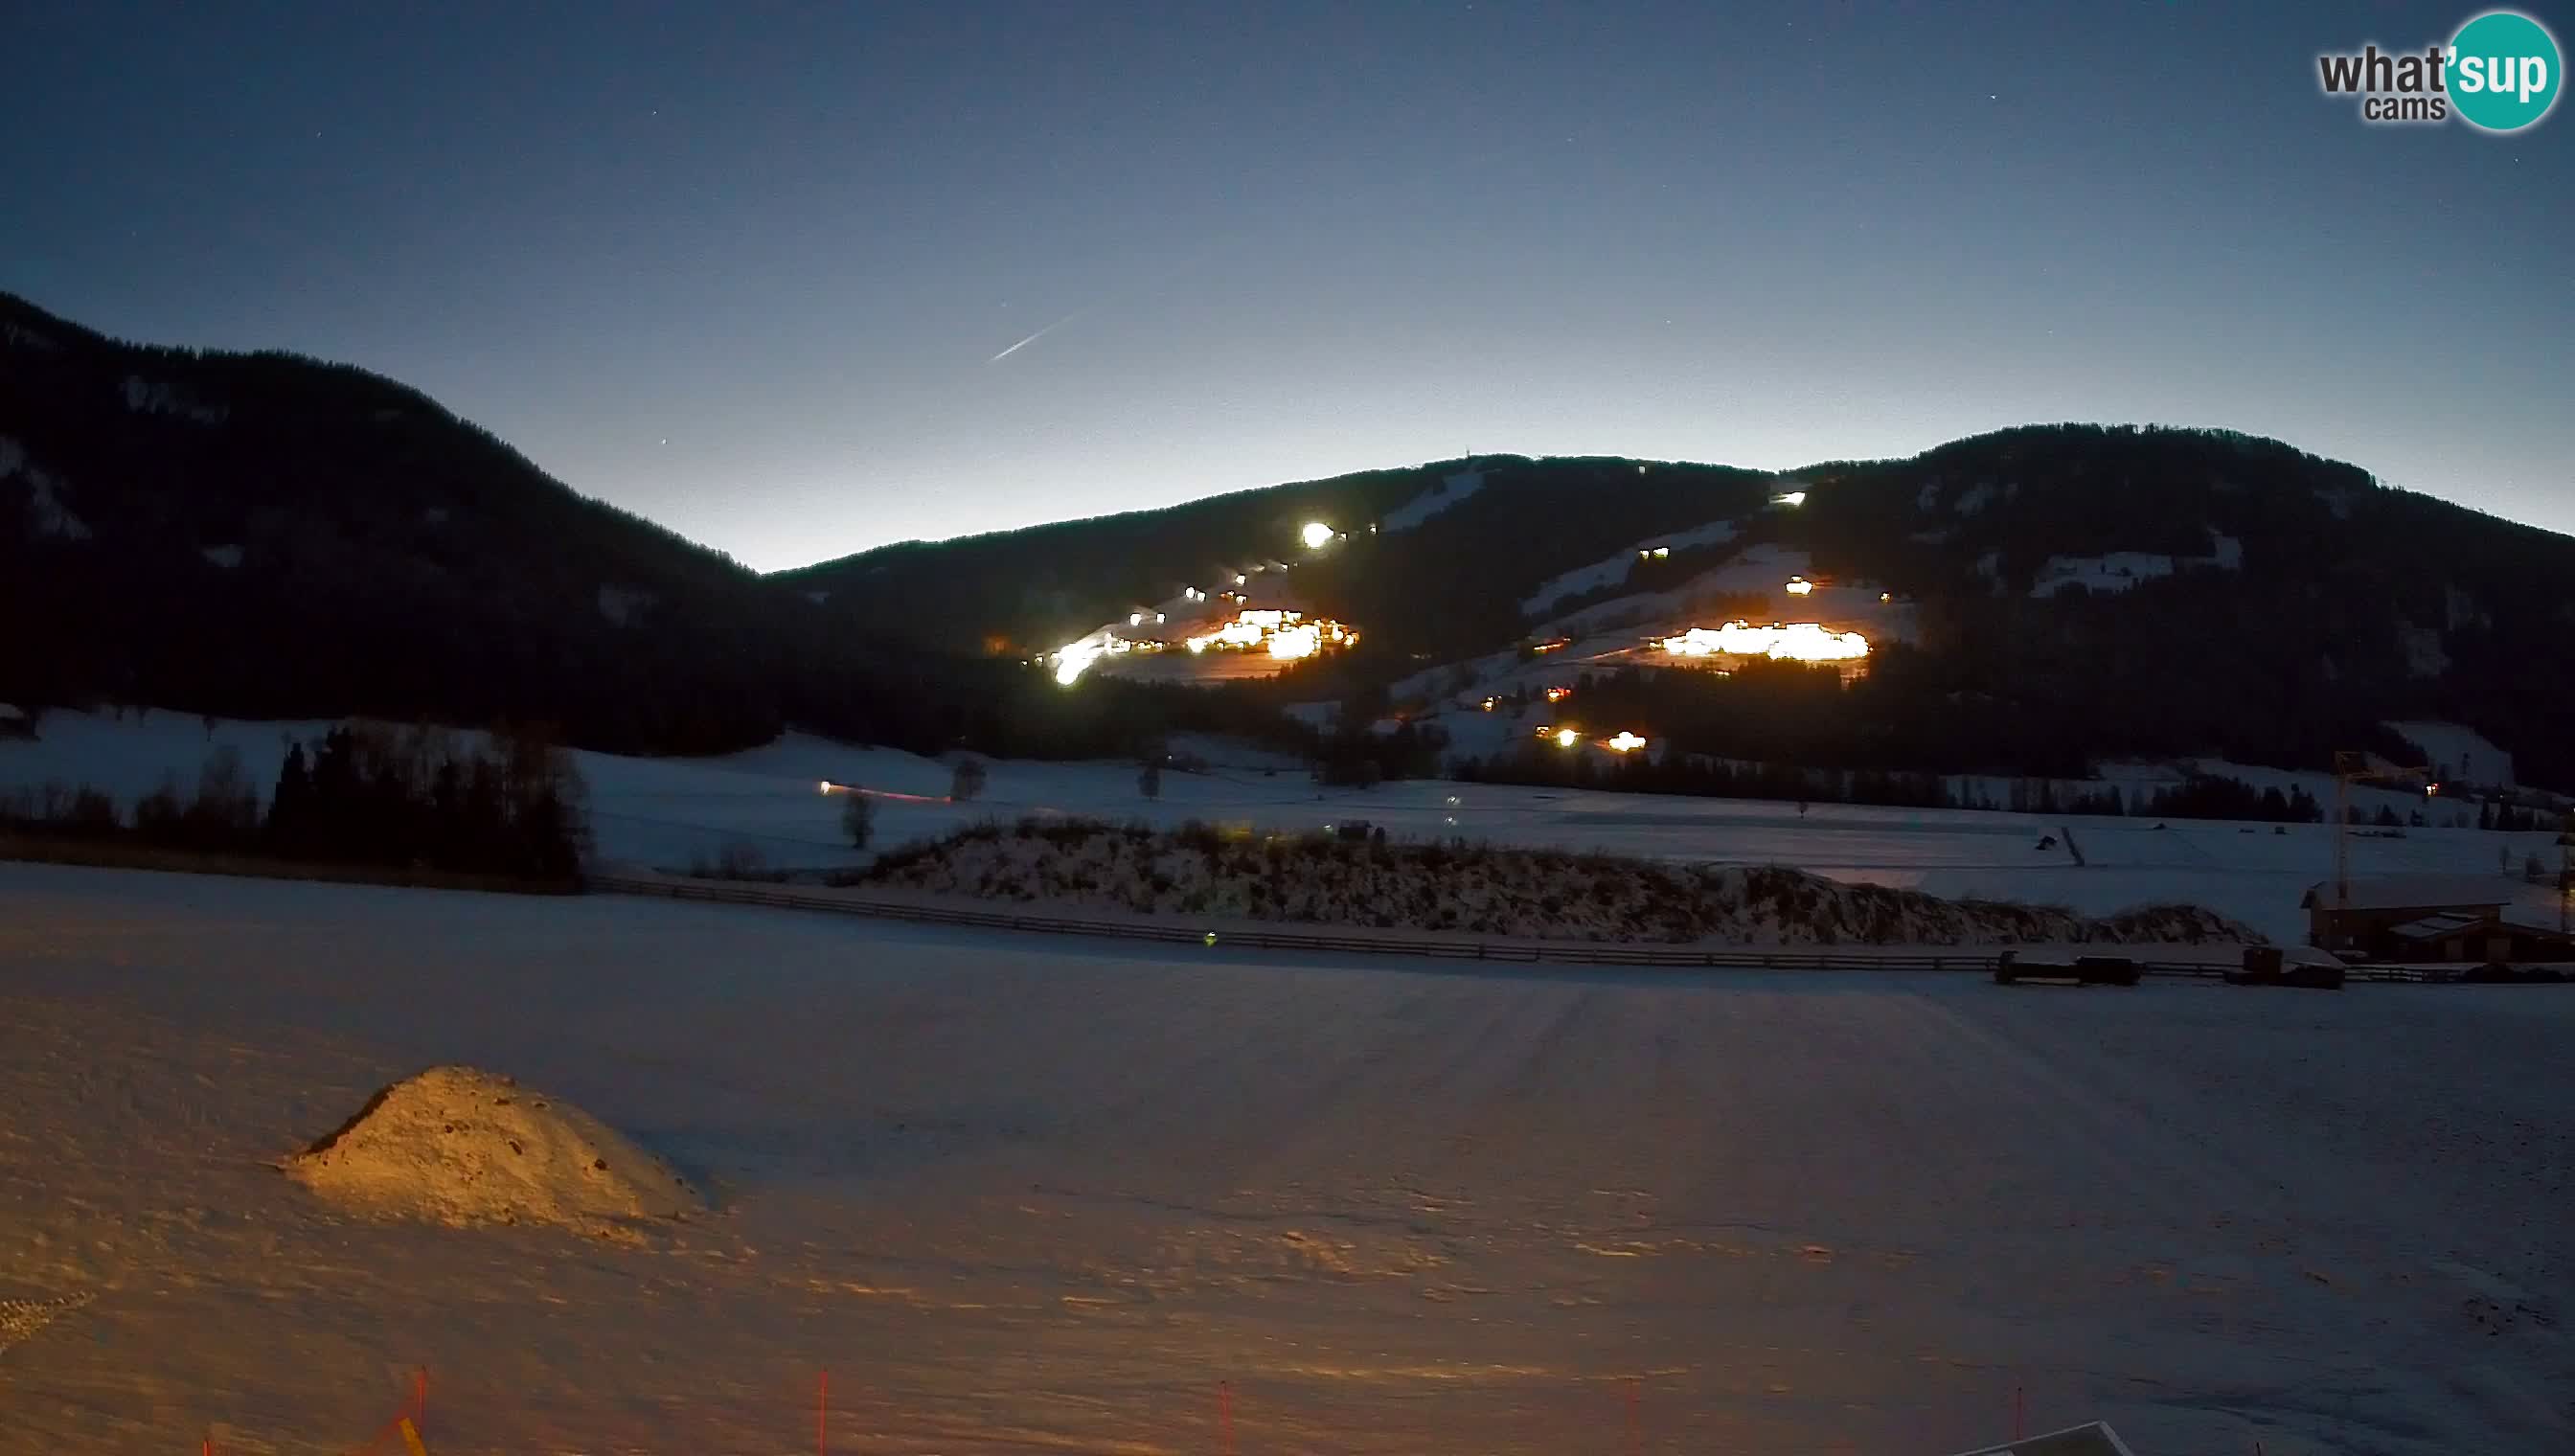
(671, 813)
(1019, 1195)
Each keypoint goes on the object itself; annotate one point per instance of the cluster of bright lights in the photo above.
(1304, 641)
(1075, 659)
(1802, 642)
(1657, 554)
(1801, 587)
(1558, 695)
(1287, 635)
(1623, 742)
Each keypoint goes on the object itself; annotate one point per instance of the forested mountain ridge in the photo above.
(266, 535)
(2080, 590)
(271, 535)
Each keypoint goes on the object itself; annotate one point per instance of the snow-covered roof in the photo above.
(2436, 927)
(2410, 891)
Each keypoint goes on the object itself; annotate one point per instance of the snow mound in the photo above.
(1491, 891)
(459, 1146)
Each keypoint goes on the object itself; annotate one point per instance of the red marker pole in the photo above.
(1225, 1413)
(822, 1410)
(2019, 1407)
(1635, 1436)
(419, 1400)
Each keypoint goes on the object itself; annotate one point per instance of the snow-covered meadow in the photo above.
(673, 814)
(1021, 1194)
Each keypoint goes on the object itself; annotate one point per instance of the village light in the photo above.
(1624, 743)
(1566, 737)
(1803, 641)
(1789, 497)
(1318, 536)
(1800, 587)
(1661, 552)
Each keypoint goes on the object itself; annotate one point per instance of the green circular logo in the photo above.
(2503, 71)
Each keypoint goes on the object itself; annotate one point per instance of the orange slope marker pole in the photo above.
(1225, 1413)
(1635, 1435)
(821, 1411)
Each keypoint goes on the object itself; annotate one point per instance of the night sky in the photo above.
(747, 271)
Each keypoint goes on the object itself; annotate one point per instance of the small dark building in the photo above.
(2410, 916)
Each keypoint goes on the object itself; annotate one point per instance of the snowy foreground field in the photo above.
(669, 813)
(1023, 1195)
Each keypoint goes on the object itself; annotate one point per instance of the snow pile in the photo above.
(1451, 490)
(459, 1146)
(1544, 894)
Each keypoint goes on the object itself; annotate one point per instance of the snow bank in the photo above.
(459, 1146)
(1542, 894)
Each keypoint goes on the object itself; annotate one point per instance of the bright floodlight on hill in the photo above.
(1790, 498)
(1318, 536)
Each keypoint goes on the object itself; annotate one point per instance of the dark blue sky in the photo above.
(745, 268)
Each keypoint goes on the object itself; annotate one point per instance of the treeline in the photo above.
(407, 799)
